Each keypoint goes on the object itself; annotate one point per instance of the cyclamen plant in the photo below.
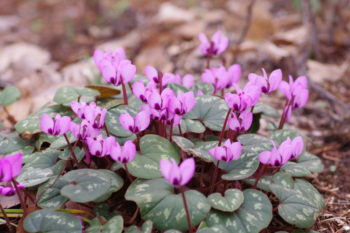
(172, 155)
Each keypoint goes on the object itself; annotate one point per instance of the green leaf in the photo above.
(295, 169)
(165, 209)
(279, 136)
(189, 147)
(230, 202)
(311, 162)
(114, 225)
(211, 110)
(43, 159)
(266, 110)
(213, 229)
(254, 214)
(245, 166)
(85, 185)
(147, 227)
(9, 95)
(254, 143)
(188, 125)
(299, 206)
(153, 148)
(31, 124)
(50, 195)
(50, 221)
(116, 181)
(34, 176)
(112, 120)
(177, 87)
(65, 95)
(12, 143)
(206, 88)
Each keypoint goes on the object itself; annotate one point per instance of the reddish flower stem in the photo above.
(23, 205)
(106, 129)
(260, 174)
(128, 173)
(171, 133)
(188, 217)
(285, 113)
(8, 223)
(125, 96)
(224, 127)
(214, 177)
(180, 131)
(71, 150)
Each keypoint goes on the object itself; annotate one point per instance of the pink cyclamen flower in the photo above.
(267, 83)
(296, 91)
(186, 81)
(153, 74)
(95, 115)
(218, 77)
(277, 157)
(241, 123)
(10, 167)
(183, 103)
(297, 145)
(123, 154)
(243, 99)
(114, 67)
(99, 146)
(216, 46)
(55, 126)
(135, 124)
(83, 130)
(177, 175)
(161, 101)
(228, 152)
(142, 92)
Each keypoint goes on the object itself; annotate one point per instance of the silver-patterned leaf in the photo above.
(112, 120)
(245, 166)
(114, 225)
(230, 202)
(65, 95)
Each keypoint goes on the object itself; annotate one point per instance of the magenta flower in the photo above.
(241, 123)
(297, 146)
(79, 108)
(83, 130)
(183, 103)
(267, 83)
(161, 101)
(135, 124)
(114, 67)
(177, 175)
(277, 157)
(218, 77)
(152, 74)
(186, 81)
(124, 154)
(296, 91)
(96, 116)
(142, 92)
(243, 99)
(99, 146)
(57, 126)
(234, 73)
(228, 152)
(216, 46)
(10, 167)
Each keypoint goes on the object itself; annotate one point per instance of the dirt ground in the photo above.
(46, 44)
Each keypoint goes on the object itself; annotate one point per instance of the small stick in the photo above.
(187, 211)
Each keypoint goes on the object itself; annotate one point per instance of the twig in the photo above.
(245, 29)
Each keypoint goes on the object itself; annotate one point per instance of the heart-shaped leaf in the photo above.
(213, 229)
(231, 201)
(153, 148)
(34, 176)
(147, 227)
(211, 110)
(254, 214)
(50, 195)
(30, 125)
(295, 169)
(310, 162)
(266, 110)
(9, 95)
(188, 125)
(241, 168)
(112, 120)
(189, 147)
(114, 225)
(85, 185)
(50, 221)
(116, 183)
(206, 88)
(11, 143)
(65, 95)
(165, 209)
(299, 206)
(279, 136)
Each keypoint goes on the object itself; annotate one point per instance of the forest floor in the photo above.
(47, 44)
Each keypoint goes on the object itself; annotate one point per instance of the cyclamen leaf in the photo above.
(231, 201)
(11, 143)
(153, 148)
(213, 229)
(165, 209)
(114, 225)
(266, 110)
(9, 95)
(50, 221)
(211, 110)
(34, 176)
(254, 215)
(146, 228)
(190, 148)
(241, 168)
(112, 120)
(65, 95)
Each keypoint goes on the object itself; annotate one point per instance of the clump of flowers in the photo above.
(175, 152)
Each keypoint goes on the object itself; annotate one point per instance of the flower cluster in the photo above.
(10, 167)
